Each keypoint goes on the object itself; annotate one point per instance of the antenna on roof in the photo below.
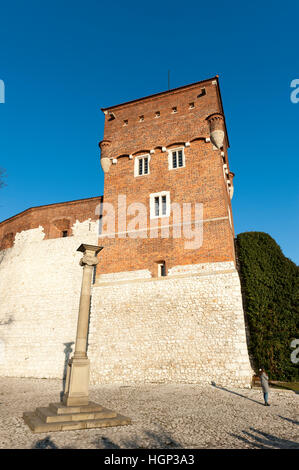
(168, 79)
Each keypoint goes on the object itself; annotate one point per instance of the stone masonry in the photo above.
(40, 283)
(184, 328)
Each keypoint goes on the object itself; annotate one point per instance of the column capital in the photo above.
(89, 254)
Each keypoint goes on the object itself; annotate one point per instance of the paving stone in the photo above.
(163, 416)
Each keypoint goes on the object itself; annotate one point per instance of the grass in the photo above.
(285, 386)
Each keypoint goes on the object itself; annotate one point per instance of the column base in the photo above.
(76, 384)
(59, 417)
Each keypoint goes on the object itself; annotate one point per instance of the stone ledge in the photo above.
(37, 425)
(164, 278)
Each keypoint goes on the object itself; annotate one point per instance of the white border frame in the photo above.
(152, 204)
(136, 164)
(175, 149)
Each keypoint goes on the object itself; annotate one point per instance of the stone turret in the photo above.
(105, 160)
(217, 129)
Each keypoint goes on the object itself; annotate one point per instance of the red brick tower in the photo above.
(167, 303)
(167, 148)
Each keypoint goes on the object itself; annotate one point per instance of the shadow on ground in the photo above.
(263, 440)
(153, 441)
(235, 393)
(289, 420)
(45, 443)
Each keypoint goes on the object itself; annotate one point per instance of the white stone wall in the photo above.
(186, 328)
(40, 282)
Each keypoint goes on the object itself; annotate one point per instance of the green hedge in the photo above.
(270, 294)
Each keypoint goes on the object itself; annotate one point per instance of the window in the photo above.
(161, 269)
(141, 118)
(203, 92)
(174, 109)
(125, 122)
(176, 158)
(160, 205)
(64, 233)
(141, 165)
(157, 115)
(191, 105)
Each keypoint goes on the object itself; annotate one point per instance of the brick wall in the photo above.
(54, 218)
(135, 130)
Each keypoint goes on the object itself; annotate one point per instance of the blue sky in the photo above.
(62, 61)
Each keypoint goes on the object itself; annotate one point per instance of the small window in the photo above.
(141, 165)
(157, 115)
(161, 269)
(141, 118)
(160, 205)
(64, 233)
(203, 93)
(191, 105)
(176, 159)
(125, 122)
(174, 109)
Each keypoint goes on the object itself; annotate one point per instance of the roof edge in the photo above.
(48, 205)
(160, 93)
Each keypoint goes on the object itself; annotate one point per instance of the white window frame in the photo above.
(152, 205)
(170, 160)
(136, 164)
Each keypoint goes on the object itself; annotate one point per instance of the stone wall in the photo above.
(187, 327)
(40, 282)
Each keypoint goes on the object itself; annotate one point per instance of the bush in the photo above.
(269, 283)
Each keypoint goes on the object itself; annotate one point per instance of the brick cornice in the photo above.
(156, 95)
(36, 208)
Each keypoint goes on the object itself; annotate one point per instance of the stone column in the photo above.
(77, 378)
(76, 411)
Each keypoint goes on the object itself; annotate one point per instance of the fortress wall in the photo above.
(40, 282)
(187, 327)
(54, 218)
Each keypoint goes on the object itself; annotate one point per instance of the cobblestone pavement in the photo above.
(163, 416)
